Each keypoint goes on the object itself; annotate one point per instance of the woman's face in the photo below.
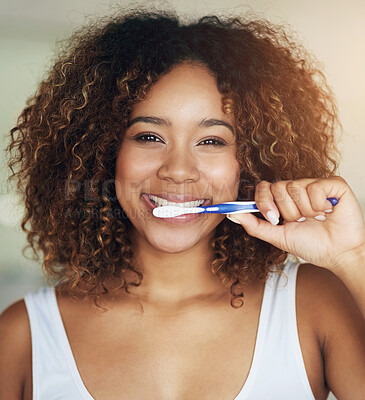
(180, 146)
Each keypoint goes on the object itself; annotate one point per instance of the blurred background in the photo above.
(334, 31)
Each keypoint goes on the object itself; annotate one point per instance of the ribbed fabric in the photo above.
(277, 371)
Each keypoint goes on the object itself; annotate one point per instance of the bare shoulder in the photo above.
(327, 297)
(329, 294)
(15, 350)
(340, 327)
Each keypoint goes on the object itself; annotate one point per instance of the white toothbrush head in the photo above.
(172, 211)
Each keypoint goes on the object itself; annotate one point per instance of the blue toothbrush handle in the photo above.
(226, 208)
(248, 206)
(332, 200)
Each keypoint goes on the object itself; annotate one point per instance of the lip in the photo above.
(177, 199)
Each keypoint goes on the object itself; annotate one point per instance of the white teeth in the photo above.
(163, 202)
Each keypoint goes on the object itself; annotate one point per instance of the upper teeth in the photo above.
(163, 202)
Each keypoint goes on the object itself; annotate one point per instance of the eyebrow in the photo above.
(215, 122)
(166, 122)
(150, 120)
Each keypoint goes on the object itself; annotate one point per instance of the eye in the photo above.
(213, 142)
(147, 137)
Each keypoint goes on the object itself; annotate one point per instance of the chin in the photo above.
(173, 244)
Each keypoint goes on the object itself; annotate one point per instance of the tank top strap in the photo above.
(258, 356)
(66, 348)
(292, 273)
(279, 372)
(52, 376)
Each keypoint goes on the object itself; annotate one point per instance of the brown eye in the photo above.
(148, 137)
(212, 142)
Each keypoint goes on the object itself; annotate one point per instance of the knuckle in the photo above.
(340, 179)
(263, 186)
(293, 185)
(294, 189)
(263, 191)
(313, 187)
(279, 190)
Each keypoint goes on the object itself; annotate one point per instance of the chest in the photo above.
(201, 354)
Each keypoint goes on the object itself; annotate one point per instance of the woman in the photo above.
(145, 111)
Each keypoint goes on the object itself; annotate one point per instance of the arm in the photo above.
(15, 351)
(351, 270)
(341, 331)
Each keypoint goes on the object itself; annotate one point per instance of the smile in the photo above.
(175, 200)
(158, 201)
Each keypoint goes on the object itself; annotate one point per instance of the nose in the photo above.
(179, 166)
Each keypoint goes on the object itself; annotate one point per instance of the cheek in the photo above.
(133, 171)
(224, 177)
(128, 166)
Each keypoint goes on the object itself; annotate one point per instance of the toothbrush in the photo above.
(231, 207)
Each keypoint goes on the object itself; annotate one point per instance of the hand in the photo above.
(326, 236)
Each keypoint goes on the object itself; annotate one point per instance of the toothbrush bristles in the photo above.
(172, 212)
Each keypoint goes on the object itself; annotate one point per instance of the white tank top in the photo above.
(277, 371)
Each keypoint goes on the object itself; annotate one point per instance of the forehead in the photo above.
(185, 90)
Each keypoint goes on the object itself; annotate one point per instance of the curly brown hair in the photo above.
(63, 149)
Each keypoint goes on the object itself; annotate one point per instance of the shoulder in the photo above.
(325, 289)
(327, 297)
(322, 281)
(14, 320)
(15, 349)
(339, 325)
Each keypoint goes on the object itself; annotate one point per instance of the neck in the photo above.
(176, 278)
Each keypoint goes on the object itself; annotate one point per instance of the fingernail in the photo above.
(233, 219)
(320, 217)
(302, 219)
(328, 211)
(271, 216)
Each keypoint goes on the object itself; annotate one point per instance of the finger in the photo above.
(320, 190)
(284, 201)
(298, 191)
(265, 202)
(260, 229)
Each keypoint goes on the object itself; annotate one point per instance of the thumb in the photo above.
(259, 228)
